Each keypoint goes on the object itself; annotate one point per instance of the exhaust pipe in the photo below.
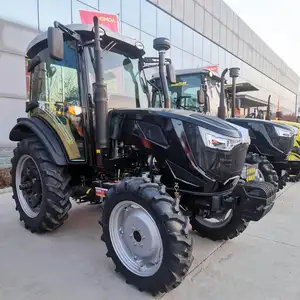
(268, 116)
(221, 108)
(233, 73)
(162, 45)
(100, 99)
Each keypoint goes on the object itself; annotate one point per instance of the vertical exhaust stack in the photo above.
(234, 74)
(162, 45)
(100, 99)
(222, 109)
(268, 114)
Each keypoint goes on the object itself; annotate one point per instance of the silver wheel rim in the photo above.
(30, 212)
(216, 222)
(259, 176)
(135, 238)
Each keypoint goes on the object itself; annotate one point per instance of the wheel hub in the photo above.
(137, 242)
(28, 184)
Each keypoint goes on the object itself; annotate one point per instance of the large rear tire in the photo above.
(265, 167)
(146, 235)
(40, 188)
(230, 228)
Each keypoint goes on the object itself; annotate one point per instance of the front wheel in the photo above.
(225, 226)
(146, 235)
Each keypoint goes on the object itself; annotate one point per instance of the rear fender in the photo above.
(28, 127)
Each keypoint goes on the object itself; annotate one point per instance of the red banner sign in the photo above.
(212, 68)
(108, 20)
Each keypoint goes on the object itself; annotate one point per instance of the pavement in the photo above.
(262, 264)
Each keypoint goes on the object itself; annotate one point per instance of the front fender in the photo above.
(28, 127)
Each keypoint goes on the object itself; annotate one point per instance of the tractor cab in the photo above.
(63, 81)
(195, 89)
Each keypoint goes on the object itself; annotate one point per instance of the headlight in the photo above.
(218, 141)
(283, 132)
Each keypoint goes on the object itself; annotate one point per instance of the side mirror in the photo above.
(171, 73)
(200, 97)
(55, 43)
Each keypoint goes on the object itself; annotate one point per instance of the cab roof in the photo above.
(193, 71)
(128, 45)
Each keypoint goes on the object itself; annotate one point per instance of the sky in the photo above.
(277, 22)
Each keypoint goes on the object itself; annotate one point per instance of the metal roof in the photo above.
(248, 101)
(86, 32)
(192, 72)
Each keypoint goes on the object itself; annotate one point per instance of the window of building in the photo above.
(206, 50)
(197, 62)
(176, 56)
(208, 25)
(76, 7)
(110, 7)
(148, 17)
(223, 36)
(188, 60)
(198, 44)
(131, 12)
(147, 40)
(163, 24)
(22, 12)
(188, 39)
(130, 31)
(216, 30)
(222, 58)
(229, 40)
(48, 12)
(176, 33)
(214, 54)
(92, 3)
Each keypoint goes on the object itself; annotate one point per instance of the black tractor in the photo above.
(203, 91)
(150, 168)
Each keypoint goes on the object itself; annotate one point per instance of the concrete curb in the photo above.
(5, 190)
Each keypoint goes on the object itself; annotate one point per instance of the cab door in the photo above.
(55, 95)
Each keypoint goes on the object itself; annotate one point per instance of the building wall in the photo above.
(202, 32)
(13, 42)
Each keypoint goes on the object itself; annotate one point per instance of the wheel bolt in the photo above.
(135, 244)
(141, 244)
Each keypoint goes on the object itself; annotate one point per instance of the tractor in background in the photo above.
(270, 144)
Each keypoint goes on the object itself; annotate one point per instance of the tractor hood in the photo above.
(211, 123)
(271, 139)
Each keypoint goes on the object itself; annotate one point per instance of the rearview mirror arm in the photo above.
(68, 31)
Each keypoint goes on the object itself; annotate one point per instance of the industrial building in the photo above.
(202, 33)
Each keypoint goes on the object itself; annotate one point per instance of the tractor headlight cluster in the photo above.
(218, 141)
(283, 132)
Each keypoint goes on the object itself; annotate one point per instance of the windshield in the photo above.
(183, 93)
(122, 77)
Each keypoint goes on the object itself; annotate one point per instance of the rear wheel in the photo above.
(266, 170)
(224, 226)
(146, 235)
(40, 188)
